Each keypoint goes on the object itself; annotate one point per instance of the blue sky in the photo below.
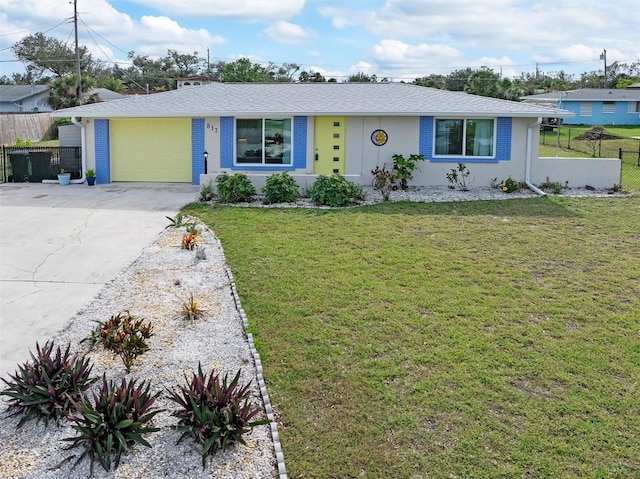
(398, 39)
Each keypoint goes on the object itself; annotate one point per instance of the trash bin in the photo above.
(40, 166)
(20, 167)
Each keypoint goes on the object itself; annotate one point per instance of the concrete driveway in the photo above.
(60, 244)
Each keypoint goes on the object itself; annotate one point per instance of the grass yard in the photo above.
(487, 339)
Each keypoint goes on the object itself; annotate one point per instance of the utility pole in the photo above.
(208, 66)
(75, 28)
(603, 56)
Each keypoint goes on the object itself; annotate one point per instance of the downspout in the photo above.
(78, 121)
(528, 158)
(81, 180)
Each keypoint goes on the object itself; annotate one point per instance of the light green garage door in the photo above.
(151, 149)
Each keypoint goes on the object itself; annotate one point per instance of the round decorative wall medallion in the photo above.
(379, 137)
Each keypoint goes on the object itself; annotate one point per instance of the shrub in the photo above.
(554, 187)
(125, 337)
(510, 185)
(280, 188)
(23, 142)
(47, 386)
(215, 415)
(189, 241)
(383, 181)
(234, 188)
(334, 190)
(458, 177)
(189, 309)
(403, 168)
(178, 221)
(113, 422)
(206, 192)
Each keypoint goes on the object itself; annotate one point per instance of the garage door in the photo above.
(151, 150)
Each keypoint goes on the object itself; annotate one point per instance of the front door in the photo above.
(329, 145)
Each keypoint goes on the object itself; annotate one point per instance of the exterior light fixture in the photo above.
(206, 156)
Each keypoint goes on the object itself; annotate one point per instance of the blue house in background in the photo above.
(593, 106)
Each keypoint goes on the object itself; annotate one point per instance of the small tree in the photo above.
(403, 168)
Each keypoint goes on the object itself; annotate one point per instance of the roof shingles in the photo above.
(366, 99)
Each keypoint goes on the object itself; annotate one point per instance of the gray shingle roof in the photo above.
(356, 99)
(10, 93)
(587, 94)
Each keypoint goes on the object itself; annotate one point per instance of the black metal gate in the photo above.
(33, 164)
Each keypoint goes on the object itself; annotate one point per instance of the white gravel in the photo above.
(433, 194)
(152, 288)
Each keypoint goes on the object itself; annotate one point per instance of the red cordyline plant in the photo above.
(214, 412)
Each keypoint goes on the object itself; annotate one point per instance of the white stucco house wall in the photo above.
(308, 129)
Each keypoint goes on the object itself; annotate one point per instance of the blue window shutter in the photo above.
(226, 141)
(503, 139)
(300, 142)
(425, 145)
(197, 149)
(102, 151)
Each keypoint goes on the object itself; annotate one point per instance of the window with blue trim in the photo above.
(263, 141)
(465, 137)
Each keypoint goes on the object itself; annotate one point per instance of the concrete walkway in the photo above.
(60, 244)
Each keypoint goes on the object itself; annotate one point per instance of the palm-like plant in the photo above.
(63, 92)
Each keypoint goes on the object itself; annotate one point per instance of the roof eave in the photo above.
(204, 114)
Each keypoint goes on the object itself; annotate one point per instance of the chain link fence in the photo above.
(630, 176)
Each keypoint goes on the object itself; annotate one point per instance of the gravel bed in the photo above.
(432, 194)
(152, 287)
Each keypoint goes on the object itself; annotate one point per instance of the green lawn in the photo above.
(488, 339)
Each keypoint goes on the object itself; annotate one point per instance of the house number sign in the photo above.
(379, 137)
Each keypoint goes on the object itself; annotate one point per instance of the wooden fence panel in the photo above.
(28, 126)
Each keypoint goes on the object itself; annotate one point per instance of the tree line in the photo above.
(51, 61)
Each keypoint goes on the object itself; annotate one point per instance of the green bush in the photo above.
(23, 142)
(234, 188)
(334, 190)
(280, 188)
(554, 187)
(403, 168)
(510, 185)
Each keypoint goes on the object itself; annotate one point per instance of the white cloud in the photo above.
(158, 34)
(341, 18)
(527, 30)
(241, 10)
(285, 32)
(397, 52)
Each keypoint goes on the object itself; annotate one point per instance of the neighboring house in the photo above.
(194, 80)
(24, 98)
(103, 94)
(309, 129)
(593, 106)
